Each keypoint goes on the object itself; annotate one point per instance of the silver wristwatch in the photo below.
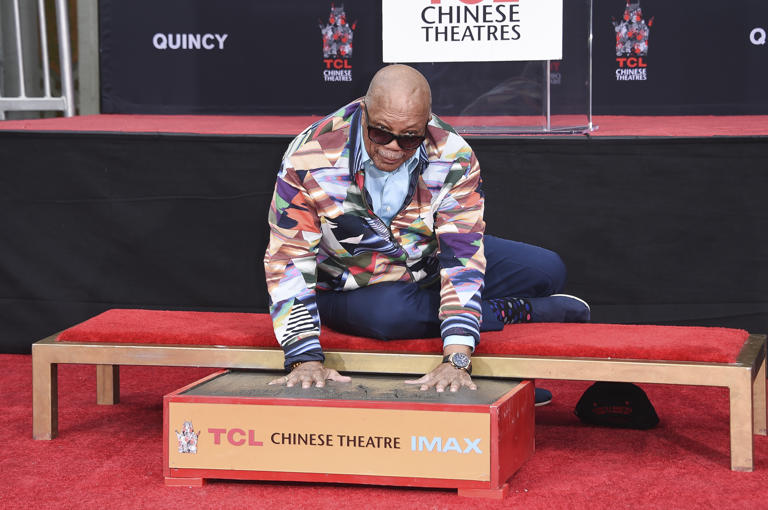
(459, 360)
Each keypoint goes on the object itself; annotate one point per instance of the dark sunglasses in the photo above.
(383, 137)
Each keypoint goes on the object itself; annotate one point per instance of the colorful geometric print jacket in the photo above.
(324, 234)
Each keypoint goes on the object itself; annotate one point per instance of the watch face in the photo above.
(460, 360)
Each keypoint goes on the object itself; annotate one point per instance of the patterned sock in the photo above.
(511, 310)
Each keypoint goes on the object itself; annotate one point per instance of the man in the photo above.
(377, 230)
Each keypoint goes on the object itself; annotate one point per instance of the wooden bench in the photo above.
(591, 352)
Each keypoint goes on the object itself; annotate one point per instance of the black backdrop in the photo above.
(700, 60)
(665, 231)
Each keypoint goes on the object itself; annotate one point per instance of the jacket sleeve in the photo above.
(459, 227)
(291, 269)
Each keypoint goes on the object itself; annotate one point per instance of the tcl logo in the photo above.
(631, 62)
(336, 63)
(235, 437)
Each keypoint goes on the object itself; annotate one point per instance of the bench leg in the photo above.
(758, 398)
(45, 395)
(741, 422)
(107, 384)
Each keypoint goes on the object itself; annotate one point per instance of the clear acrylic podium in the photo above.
(521, 97)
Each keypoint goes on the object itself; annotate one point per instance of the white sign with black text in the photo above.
(472, 30)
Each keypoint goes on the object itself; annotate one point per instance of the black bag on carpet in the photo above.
(613, 404)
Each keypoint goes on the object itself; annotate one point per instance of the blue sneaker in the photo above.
(559, 308)
(542, 397)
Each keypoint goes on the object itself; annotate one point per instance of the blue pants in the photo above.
(406, 310)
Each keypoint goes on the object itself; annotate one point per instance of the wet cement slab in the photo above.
(391, 388)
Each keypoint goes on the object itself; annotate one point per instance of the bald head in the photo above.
(400, 86)
(399, 102)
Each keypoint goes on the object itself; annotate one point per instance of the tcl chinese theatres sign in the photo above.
(471, 30)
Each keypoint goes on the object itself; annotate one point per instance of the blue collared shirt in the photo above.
(388, 191)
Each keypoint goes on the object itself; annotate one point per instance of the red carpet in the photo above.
(111, 456)
(608, 125)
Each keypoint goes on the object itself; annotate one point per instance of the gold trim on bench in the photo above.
(745, 379)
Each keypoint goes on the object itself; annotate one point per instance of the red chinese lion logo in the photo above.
(337, 34)
(632, 31)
